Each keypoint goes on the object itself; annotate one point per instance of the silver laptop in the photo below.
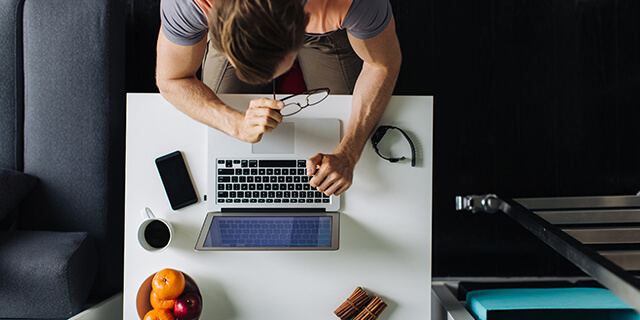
(264, 187)
(237, 170)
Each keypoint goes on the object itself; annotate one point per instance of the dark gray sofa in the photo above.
(62, 113)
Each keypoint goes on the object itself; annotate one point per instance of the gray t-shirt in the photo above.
(184, 23)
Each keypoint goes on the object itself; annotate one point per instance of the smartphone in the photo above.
(176, 180)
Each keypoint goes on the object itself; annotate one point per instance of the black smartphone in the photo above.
(176, 180)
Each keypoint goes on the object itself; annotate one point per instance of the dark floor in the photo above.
(532, 98)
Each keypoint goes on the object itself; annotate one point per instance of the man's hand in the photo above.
(262, 116)
(333, 173)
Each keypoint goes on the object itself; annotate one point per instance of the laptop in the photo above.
(258, 195)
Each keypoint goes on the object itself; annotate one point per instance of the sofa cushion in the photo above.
(74, 116)
(14, 185)
(45, 274)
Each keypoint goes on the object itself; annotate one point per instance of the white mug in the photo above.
(154, 234)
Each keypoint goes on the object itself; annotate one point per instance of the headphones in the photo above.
(379, 134)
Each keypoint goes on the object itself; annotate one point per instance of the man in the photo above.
(253, 42)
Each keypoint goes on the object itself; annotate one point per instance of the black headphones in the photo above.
(377, 137)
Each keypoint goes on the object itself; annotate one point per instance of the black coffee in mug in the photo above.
(157, 234)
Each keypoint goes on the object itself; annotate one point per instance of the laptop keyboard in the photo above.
(265, 181)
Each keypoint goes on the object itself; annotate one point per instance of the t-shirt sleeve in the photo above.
(183, 22)
(367, 18)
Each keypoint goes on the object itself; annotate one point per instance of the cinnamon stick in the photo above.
(373, 310)
(353, 305)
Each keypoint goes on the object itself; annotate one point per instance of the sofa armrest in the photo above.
(45, 274)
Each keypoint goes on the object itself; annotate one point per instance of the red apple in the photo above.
(188, 306)
(190, 285)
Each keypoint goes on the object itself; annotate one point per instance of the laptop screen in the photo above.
(267, 231)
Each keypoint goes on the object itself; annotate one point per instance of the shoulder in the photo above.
(183, 21)
(367, 18)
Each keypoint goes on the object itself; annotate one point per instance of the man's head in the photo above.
(257, 35)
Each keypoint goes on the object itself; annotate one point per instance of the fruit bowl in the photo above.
(143, 303)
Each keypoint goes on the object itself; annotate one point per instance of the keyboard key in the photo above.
(277, 163)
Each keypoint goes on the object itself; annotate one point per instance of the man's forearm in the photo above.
(372, 92)
(198, 101)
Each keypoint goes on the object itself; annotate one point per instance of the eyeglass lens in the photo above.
(296, 103)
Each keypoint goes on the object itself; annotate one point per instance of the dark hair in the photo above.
(256, 35)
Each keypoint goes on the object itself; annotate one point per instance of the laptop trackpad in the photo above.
(279, 141)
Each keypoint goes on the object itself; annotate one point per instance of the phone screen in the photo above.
(176, 180)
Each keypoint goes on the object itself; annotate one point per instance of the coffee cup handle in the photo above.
(147, 213)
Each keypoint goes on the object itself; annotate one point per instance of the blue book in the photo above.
(549, 304)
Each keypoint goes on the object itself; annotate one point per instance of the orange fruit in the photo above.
(168, 284)
(158, 303)
(159, 314)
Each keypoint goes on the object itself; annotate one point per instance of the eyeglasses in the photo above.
(296, 102)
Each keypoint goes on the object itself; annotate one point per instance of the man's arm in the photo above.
(374, 87)
(176, 79)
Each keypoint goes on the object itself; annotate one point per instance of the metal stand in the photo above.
(571, 225)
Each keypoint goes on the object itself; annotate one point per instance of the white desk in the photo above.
(385, 231)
